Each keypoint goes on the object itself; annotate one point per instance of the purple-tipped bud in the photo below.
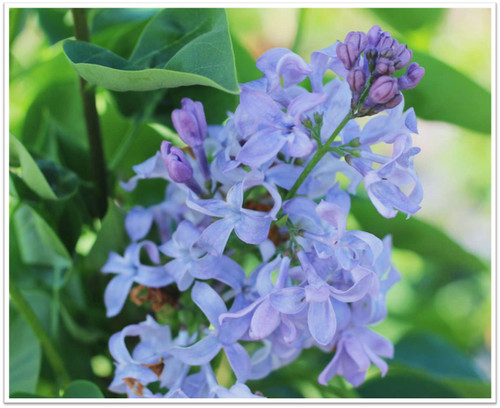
(388, 53)
(350, 50)
(373, 36)
(386, 41)
(190, 122)
(356, 80)
(384, 67)
(414, 74)
(178, 167)
(402, 57)
(394, 101)
(383, 89)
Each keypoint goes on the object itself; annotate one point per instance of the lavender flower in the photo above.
(273, 181)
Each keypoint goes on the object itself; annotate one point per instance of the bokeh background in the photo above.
(439, 314)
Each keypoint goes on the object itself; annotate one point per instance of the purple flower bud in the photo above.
(349, 51)
(384, 67)
(177, 164)
(394, 101)
(414, 74)
(356, 79)
(386, 41)
(402, 57)
(373, 36)
(384, 89)
(190, 122)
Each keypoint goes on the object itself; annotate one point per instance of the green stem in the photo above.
(92, 124)
(322, 150)
(50, 350)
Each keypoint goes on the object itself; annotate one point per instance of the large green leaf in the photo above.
(38, 244)
(430, 353)
(409, 19)
(446, 94)
(105, 19)
(179, 47)
(82, 389)
(30, 172)
(418, 236)
(25, 355)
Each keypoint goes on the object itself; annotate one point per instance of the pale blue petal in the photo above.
(200, 353)
(215, 236)
(208, 301)
(116, 293)
(321, 321)
(239, 360)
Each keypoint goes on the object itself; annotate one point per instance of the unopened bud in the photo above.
(190, 122)
(373, 36)
(384, 67)
(388, 53)
(402, 57)
(383, 89)
(178, 167)
(386, 41)
(414, 74)
(394, 101)
(356, 79)
(318, 118)
(307, 123)
(350, 50)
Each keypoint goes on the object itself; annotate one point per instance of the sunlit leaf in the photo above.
(25, 356)
(29, 170)
(445, 94)
(179, 47)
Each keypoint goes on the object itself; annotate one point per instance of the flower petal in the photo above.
(239, 360)
(116, 293)
(138, 222)
(321, 321)
(265, 320)
(200, 353)
(288, 300)
(261, 147)
(215, 236)
(208, 301)
(251, 229)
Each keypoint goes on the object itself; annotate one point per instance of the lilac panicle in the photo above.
(312, 282)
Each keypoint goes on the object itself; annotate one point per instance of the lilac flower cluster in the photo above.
(269, 175)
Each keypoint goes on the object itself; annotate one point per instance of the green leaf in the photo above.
(62, 181)
(445, 94)
(420, 237)
(82, 389)
(105, 19)
(111, 237)
(403, 383)
(179, 47)
(25, 356)
(409, 19)
(30, 172)
(434, 355)
(38, 243)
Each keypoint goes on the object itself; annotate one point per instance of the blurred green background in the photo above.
(439, 314)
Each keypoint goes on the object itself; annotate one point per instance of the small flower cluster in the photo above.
(269, 175)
